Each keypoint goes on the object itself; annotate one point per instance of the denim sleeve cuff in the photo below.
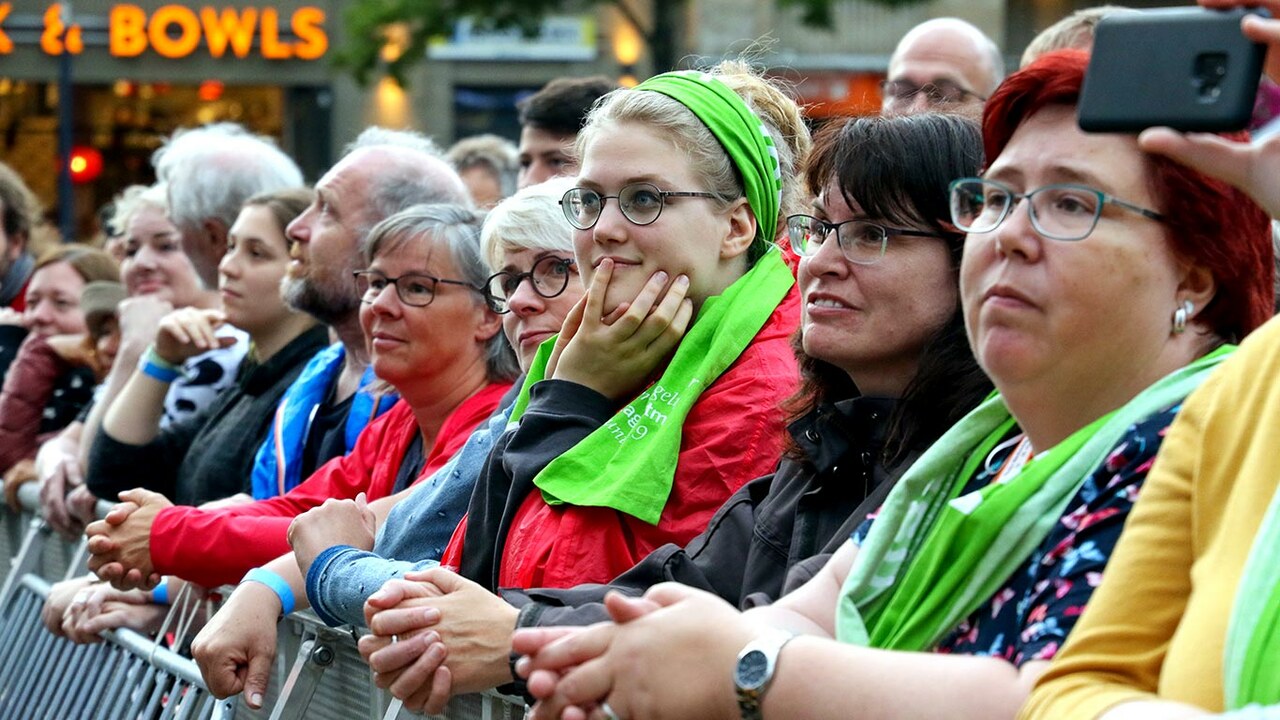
(315, 582)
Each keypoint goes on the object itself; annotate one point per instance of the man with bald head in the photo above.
(943, 64)
(381, 173)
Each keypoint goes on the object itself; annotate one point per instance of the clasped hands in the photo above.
(669, 654)
(434, 634)
(120, 544)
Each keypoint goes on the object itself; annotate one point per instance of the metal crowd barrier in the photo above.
(318, 673)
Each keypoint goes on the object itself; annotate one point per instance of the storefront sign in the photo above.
(560, 37)
(176, 31)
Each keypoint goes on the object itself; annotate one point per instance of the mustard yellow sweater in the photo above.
(1157, 626)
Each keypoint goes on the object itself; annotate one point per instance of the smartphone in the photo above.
(1186, 68)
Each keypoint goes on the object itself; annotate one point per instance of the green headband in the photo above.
(740, 133)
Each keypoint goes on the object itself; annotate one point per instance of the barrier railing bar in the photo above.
(62, 680)
(116, 702)
(26, 561)
(115, 687)
(84, 691)
(44, 647)
(22, 637)
(313, 658)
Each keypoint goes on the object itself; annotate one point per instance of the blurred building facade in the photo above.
(143, 68)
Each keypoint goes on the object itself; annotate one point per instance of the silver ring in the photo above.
(608, 712)
(395, 639)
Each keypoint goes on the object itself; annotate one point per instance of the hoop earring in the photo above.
(1181, 316)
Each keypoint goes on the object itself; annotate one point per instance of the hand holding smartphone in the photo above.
(1185, 68)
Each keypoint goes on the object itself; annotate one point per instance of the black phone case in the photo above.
(1186, 68)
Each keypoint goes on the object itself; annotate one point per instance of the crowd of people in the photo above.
(679, 410)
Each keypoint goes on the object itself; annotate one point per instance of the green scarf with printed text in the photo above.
(933, 556)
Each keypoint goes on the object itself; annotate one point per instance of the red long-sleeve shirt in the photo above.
(218, 547)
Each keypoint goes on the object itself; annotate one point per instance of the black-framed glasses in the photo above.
(1062, 211)
(549, 277)
(641, 203)
(861, 241)
(940, 92)
(414, 289)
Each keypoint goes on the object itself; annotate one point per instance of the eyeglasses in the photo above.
(549, 277)
(942, 92)
(1063, 211)
(413, 289)
(641, 203)
(860, 241)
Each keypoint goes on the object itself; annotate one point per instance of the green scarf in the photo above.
(1253, 634)
(629, 463)
(932, 556)
(742, 136)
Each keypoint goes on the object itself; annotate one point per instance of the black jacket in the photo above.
(769, 537)
(210, 455)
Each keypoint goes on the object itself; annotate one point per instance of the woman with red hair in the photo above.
(1186, 623)
(1100, 285)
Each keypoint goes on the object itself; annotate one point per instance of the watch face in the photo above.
(752, 669)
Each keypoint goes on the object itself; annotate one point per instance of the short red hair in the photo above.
(1208, 222)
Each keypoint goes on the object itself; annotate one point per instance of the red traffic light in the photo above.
(85, 164)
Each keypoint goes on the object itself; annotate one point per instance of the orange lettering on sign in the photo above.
(175, 31)
(187, 23)
(6, 45)
(307, 25)
(228, 28)
(58, 37)
(128, 31)
(272, 48)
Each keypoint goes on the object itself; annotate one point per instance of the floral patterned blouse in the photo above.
(1030, 617)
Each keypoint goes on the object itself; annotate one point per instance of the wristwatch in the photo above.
(754, 671)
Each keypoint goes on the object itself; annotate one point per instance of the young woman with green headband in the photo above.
(1096, 296)
(660, 397)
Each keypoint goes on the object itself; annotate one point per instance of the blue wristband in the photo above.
(152, 365)
(160, 595)
(159, 373)
(277, 585)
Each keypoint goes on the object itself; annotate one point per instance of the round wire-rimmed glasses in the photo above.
(641, 203)
(549, 278)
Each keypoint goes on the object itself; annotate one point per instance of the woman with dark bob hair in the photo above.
(1100, 285)
(885, 369)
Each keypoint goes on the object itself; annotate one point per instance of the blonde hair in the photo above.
(133, 199)
(778, 113)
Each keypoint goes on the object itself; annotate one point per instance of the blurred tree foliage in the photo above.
(370, 24)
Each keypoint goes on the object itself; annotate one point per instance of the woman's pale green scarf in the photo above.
(629, 463)
(934, 556)
(1253, 635)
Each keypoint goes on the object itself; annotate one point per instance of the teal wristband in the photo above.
(160, 595)
(277, 585)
